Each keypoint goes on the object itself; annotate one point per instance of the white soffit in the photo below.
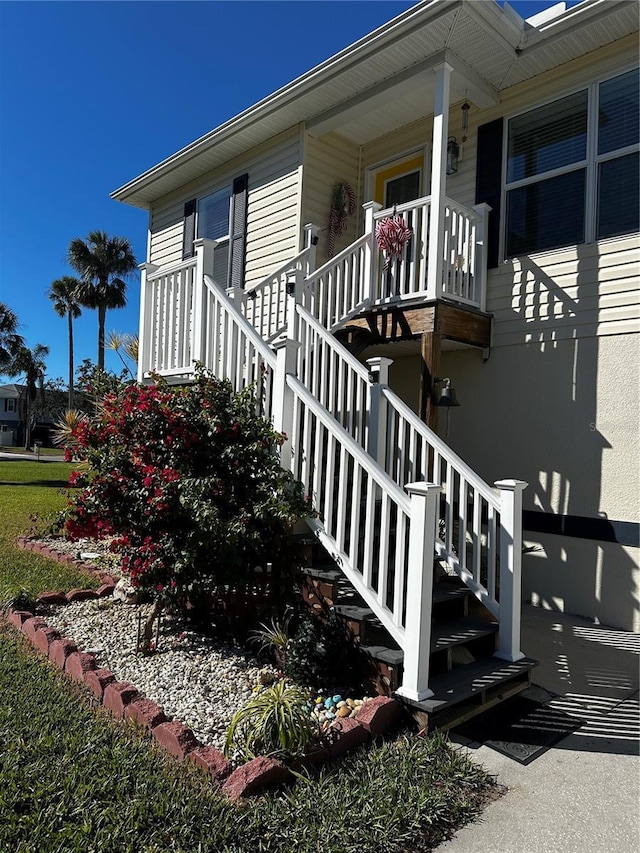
(494, 49)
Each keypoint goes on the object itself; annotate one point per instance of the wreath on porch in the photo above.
(392, 235)
(343, 203)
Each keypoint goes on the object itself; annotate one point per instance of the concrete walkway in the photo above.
(31, 457)
(583, 795)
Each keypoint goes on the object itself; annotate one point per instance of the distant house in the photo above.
(9, 414)
(510, 148)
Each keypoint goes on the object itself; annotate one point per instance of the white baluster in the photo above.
(480, 271)
(370, 271)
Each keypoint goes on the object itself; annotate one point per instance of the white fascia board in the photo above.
(570, 21)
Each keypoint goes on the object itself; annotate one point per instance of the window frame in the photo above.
(590, 164)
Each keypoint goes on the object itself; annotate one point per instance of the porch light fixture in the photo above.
(453, 153)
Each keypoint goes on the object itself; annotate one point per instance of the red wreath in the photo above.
(392, 235)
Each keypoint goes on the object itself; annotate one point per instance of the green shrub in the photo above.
(276, 720)
(324, 654)
(188, 480)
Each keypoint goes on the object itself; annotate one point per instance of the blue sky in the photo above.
(92, 94)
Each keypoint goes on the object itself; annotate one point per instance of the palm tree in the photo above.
(30, 364)
(64, 295)
(103, 263)
(10, 340)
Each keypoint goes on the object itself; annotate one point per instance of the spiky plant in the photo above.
(275, 721)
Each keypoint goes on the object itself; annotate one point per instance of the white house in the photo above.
(510, 148)
(9, 414)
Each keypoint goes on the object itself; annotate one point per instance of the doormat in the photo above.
(520, 728)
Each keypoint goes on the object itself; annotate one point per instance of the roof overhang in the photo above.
(382, 79)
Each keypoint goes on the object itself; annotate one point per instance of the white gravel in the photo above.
(198, 680)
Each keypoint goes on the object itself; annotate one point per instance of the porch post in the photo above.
(146, 331)
(370, 272)
(417, 646)
(377, 439)
(287, 358)
(480, 272)
(438, 180)
(510, 568)
(204, 264)
(311, 243)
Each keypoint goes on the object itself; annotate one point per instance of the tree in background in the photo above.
(103, 263)
(30, 365)
(64, 295)
(10, 340)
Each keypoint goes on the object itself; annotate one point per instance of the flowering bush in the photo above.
(187, 480)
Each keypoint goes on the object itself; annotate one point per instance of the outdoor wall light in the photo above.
(453, 152)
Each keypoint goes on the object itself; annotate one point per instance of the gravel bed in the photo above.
(200, 681)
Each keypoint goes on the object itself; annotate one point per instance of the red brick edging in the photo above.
(124, 701)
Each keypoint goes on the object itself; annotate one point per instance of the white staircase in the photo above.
(389, 493)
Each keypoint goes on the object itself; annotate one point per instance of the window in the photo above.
(572, 171)
(213, 222)
(10, 405)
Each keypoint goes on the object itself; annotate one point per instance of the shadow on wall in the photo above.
(546, 408)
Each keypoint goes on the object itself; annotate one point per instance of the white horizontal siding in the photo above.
(329, 160)
(273, 207)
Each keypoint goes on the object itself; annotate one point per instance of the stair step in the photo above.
(394, 657)
(354, 612)
(447, 592)
(471, 680)
(460, 631)
(323, 573)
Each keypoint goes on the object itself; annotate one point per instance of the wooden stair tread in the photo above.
(447, 592)
(459, 631)
(467, 681)
(385, 654)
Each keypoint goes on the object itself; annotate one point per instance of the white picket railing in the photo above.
(350, 440)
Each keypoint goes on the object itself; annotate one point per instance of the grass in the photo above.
(73, 781)
(26, 489)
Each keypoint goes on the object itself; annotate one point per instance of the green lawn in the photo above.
(73, 781)
(29, 489)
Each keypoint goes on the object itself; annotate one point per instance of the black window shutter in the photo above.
(489, 182)
(238, 235)
(189, 233)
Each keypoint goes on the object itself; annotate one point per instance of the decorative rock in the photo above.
(78, 663)
(145, 713)
(19, 617)
(123, 591)
(30, 626)
(43, 639)
(212, 761)
(378, 714)
(97, 680)
(341, 704)
(175, 738)
(105, 589)
(117, 696)
(81, 594)
(59, 651)
(256, 775)
(348, 734)
(52, 597)
(337, 698)
(344, 711)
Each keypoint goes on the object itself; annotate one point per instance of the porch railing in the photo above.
(360, 276)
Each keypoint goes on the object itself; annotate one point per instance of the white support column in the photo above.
(311, 243)
(510, 568)
(438, 179)
(287, 356)
(417, 646)
(370, 271)
(145, 329)
(480, 272)
(204, 265)
(377, 438)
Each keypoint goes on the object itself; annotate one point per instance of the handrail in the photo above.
(264, 349)
(337, 259)
(332, 341)
(449, 455)
(171, 269)
(282, 269)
